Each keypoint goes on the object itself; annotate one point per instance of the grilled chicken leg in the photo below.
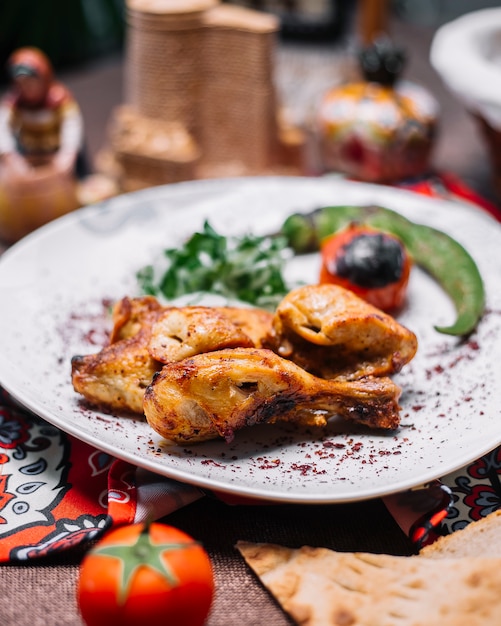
(215, 394)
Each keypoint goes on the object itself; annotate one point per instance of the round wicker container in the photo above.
(163, 59)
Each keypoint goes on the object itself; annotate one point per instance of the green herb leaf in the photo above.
(248, 268)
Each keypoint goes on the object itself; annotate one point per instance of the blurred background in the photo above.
(85, 40)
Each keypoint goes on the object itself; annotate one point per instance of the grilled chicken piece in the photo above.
(179, 333)
(256, 323)
(130, 314)
(332, 333)
(146, 336)
(117, 376)
(213, 395)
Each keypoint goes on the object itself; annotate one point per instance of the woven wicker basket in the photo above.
(163, 58)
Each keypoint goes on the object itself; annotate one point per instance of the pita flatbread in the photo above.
(321, 587)
(479, 538)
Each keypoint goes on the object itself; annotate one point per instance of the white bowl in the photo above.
(466, 53)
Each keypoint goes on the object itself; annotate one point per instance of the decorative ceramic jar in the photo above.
(380, 129)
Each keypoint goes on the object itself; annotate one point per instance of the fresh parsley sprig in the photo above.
(247, 268)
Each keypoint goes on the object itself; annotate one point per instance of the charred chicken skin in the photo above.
(332, 333)
(214, 394)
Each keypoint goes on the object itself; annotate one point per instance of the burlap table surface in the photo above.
(42, 593)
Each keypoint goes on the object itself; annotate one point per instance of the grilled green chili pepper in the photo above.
(433, 250)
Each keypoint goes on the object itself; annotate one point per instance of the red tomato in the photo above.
(155, 575)
(372, 264)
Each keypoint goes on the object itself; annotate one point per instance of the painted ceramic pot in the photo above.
(381, 129)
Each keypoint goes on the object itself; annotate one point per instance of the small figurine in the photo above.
(380, 129)
(41, 139)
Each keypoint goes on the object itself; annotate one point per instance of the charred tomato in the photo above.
(373, 264)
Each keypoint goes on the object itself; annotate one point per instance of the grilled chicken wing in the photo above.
(146, 336)
(179, 333)
(256, 323)
(332, 333)
(130, 314)
(215, 394)
(117, 376)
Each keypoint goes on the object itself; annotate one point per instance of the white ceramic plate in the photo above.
(55, 284)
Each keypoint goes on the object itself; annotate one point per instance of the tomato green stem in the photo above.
(143, 552)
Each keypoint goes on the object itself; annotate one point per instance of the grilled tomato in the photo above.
(373, 264)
